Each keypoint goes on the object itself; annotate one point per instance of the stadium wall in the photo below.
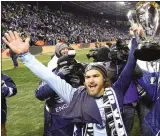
(49, 49)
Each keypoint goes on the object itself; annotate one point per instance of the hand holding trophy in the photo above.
(146, 16)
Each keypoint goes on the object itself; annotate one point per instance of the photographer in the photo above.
(72, 72)
(53, 103)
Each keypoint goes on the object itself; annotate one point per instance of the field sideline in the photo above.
(25, 112)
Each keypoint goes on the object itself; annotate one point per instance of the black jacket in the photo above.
(8, 89)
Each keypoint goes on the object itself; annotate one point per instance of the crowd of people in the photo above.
(51, 26)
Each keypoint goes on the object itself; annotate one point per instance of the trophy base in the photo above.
(148, 54)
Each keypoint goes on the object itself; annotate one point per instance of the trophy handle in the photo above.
(130, 15)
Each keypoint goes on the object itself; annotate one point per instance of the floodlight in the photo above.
(122, 3)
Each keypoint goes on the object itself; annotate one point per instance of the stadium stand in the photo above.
(51, 26)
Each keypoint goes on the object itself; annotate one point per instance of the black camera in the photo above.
(99, 54)
(75, 77)
(117, 57)
(119, 53)
(92, 53)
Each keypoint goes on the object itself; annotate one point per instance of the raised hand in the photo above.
(15, 42)
(137, 29)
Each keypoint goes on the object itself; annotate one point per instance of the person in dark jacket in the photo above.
(98, 104)
(8, 90)
(136, 100)
(54, 125)
(152, 88)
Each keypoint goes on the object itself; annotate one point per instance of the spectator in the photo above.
(54, 124)
(51, 26)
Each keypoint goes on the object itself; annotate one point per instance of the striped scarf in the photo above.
(114, 125)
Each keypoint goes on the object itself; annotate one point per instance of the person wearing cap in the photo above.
(54, 106)
(98, 104)
(60, 50)
(54, 124)
(8, 89)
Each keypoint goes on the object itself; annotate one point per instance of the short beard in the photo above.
(92, 94)
(89, 92)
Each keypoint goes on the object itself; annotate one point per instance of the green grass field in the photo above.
(25, 112)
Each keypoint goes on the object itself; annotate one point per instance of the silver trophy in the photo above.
(147, 15)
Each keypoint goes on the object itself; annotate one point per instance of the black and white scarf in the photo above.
(114, 125)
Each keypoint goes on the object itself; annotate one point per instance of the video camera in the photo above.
(117, 54)
(99, 54)
(92, 53)
(67, 60)
(76, 77)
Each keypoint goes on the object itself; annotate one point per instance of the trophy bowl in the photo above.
(147, 16)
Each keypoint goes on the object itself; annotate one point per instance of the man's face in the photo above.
(64, 51)
(94, 82)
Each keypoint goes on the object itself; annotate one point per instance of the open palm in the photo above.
(15, 42)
